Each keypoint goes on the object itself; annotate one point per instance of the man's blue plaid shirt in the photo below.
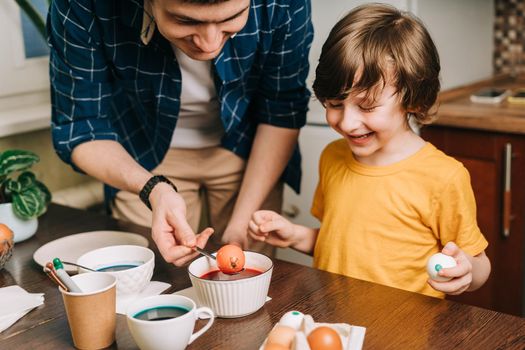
(108, 85)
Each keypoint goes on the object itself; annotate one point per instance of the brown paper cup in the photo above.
(91, 314)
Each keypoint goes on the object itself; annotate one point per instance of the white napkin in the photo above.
(192, 294)
(153, 288)
(15, 302)
(352, 337)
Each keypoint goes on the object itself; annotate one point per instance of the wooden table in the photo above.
(394, 318)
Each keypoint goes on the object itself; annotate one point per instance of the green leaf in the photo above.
(13, 186)
(45, 192)
(29, 204)
(27, 179)
(16, 160)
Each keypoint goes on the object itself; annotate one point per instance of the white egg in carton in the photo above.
(352, 337)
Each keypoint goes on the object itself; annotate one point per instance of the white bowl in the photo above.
(22, 228)
(236, 298)
(129, 281)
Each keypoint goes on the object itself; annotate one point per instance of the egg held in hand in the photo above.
(324, 338)
(230, 259)
(436, 263)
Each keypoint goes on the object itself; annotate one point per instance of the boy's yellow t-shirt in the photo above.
(382, 224)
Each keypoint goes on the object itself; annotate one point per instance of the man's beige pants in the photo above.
(212, 175)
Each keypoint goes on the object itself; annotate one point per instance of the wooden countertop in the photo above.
(457, 110)
(394, 319)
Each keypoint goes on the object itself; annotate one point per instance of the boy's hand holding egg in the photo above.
(436, 263)
(450, 271)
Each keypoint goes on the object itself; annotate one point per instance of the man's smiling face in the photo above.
(200, 30)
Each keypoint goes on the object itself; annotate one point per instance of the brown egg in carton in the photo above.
(296, 331)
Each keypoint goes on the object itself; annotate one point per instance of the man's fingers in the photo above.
(202, 238)
(174, 254)
(182, 230)
(185, 259)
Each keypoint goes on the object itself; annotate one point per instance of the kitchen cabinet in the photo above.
(490, 141)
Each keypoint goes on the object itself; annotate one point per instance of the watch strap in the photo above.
(150, 184)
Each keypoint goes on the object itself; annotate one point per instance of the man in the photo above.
(166, 99)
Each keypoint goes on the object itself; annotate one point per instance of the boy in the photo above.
(387, 200)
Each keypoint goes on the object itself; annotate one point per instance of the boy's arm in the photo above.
(304, 239)
(480, 270)
(272, 228)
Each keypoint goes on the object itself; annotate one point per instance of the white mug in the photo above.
(166, 333)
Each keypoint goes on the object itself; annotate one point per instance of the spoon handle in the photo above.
(77, 265)
(205, 253)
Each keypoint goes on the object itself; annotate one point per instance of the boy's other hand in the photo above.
(270, 227)
(461, 274)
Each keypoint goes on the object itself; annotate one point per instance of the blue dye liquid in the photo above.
(115, 268)
(161, 313)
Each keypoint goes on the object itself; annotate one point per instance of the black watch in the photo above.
(148, 187)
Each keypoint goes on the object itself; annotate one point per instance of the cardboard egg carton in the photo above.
(352, 337)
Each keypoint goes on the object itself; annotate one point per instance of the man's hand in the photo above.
(170, 229)
(236, 235)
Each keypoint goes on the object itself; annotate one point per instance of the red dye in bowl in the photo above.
(217, 275)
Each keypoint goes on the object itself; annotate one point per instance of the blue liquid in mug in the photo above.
(161, 313)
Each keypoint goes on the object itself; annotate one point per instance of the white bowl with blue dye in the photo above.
(132, 265)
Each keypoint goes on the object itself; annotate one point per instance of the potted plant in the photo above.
(22, 197)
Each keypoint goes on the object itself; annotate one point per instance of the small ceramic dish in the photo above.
(233, 298)
(132, 265)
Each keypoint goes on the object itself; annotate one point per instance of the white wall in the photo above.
(463, 33)
(24, 83)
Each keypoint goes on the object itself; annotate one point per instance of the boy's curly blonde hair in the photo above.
(375, 45)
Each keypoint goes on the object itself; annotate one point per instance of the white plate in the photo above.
(70, 248)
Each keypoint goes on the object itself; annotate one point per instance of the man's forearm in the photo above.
(271, 151)
(110, 163)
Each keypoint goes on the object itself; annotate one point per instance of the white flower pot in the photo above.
(23, 229)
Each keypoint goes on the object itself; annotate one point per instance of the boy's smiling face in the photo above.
(376, 131)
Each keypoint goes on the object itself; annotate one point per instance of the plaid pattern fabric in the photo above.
(107, 84)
